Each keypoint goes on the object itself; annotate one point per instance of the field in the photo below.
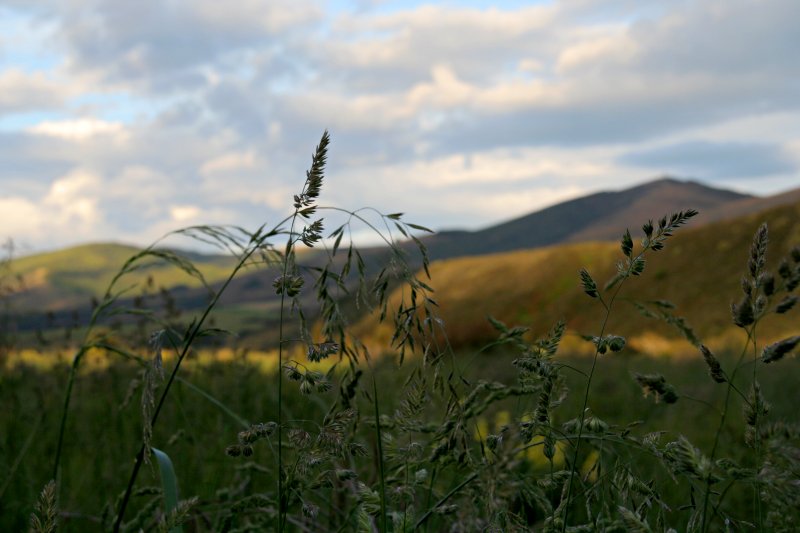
(554, 389)
(104, 431)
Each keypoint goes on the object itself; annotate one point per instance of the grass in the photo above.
(540, 287)
(196, 432)
(327, 436)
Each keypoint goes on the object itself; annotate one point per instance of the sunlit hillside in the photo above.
(699, 272)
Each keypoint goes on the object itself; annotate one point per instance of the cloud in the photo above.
(227, 163)
(22, 218)
(22, 91)
(170, 46)
(184, 213)
(67, 210)
(191, 111)
(79, 129)
(711, 160)
(475, 189)
(72, 202)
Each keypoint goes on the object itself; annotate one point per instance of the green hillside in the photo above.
(72, 276)
(534, 287)
(699, 271)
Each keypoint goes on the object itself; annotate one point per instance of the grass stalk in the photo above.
(608, 306)
(381, 473)
(281, 506)
(466, 481)
(187, 344)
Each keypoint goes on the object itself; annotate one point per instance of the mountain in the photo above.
(65, 281)
(699, 271)
(598, 217)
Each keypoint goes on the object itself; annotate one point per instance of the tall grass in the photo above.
(348, 441)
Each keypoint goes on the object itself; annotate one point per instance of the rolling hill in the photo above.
(69, 278)
(542, 250)
(699, 271)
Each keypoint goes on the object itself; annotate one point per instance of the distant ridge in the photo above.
(598, 217)
(699, 271)
(65, 280)
(751, 205)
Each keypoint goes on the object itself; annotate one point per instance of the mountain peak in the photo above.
(596, 217)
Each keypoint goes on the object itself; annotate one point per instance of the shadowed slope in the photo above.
(596, 217)
(699, 271)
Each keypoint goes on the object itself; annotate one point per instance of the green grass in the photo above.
(195, 432)
(521, 434)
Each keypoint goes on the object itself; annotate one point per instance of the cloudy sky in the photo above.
(123, 119)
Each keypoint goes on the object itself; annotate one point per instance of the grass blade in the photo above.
(169, 484)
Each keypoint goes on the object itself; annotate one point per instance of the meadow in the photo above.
(388, 422)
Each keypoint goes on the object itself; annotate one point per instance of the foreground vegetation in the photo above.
(104, 431)
(514, 437)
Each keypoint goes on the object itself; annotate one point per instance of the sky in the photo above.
(121, 120)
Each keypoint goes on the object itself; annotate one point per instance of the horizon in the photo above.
(120, 122)
(371, 240)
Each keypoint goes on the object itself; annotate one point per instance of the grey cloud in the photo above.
(574, 126)
(29, 162)
(714, 160)
(22, 91)
(238, 106)
(182, 114)
(690, 65)
(165, 46)
(723, 37)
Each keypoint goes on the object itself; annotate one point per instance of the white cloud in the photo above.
(184, 213)
(73, 201)
(615, 48)
(66, 213)
(439, 109)
(503, 206)
(229, 163)
(79, 129)
(21, 218)
(503, 166)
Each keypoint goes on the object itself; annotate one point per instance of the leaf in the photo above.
(496, 324)
(180, 262)
(401, 229)
(337, 242)
(421, 228)
(212, 332)
(610, 284)
(169, 484)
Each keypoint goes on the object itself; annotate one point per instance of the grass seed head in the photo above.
(778, 350)
(714, 367)
(658, 386)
